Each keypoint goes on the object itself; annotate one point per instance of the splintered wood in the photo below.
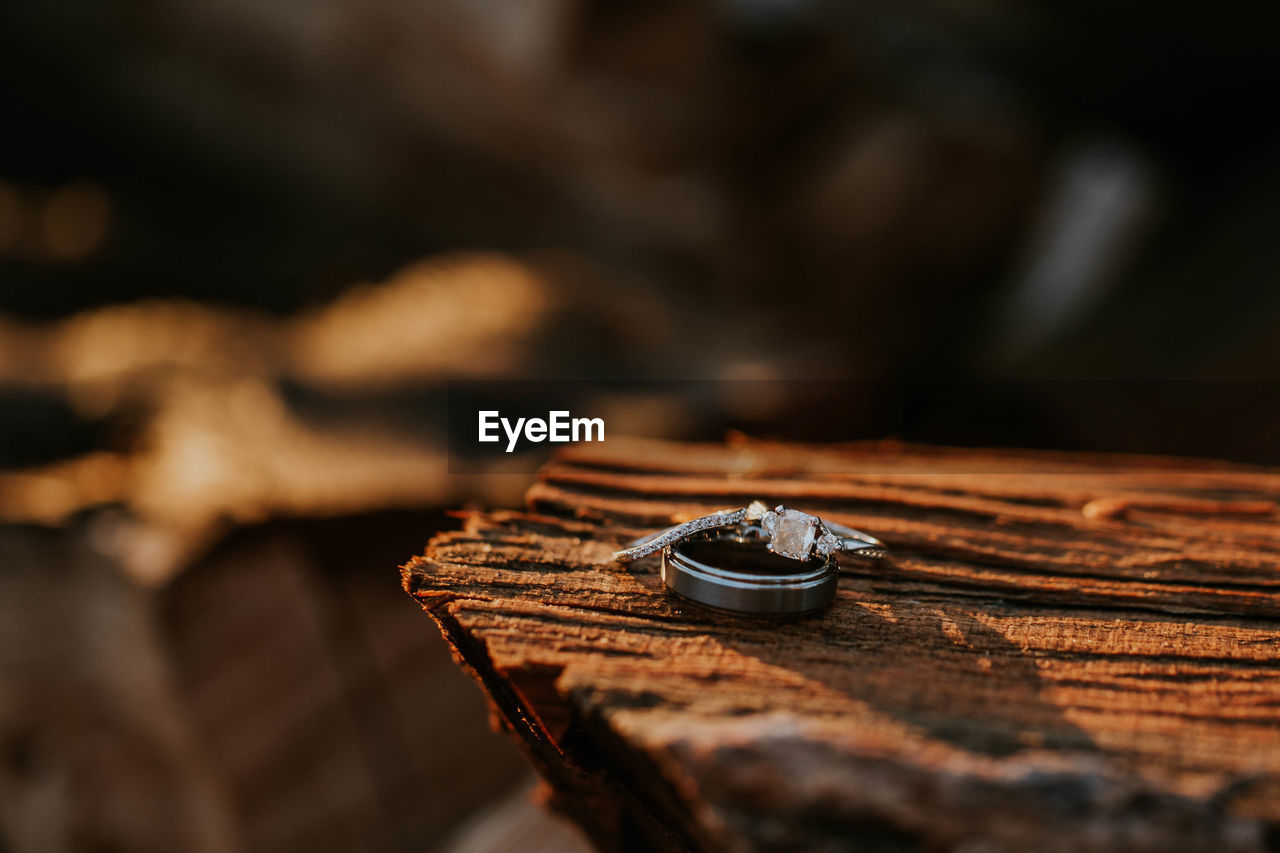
(1065, 652)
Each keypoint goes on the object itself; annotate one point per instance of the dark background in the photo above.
(244, 247)
(1039, 192)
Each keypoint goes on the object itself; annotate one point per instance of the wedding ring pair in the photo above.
(767, 562)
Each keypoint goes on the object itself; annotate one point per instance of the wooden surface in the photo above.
(1066, 652)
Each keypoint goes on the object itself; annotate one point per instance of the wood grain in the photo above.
(1066, 652)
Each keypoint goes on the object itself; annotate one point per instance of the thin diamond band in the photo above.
(655, 542)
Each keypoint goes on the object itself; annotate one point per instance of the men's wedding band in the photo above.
(756, 584)
(787, 532)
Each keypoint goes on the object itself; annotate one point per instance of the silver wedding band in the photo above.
(772, 585)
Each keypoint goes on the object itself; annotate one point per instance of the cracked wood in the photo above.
(1065, 652)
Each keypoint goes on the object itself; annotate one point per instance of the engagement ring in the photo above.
(786, 532)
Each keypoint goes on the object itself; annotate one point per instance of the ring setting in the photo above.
(794, 534)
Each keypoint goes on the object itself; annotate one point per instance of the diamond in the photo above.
(769, 521)
(828, 543)
(793, 533)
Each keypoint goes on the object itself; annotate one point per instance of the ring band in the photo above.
(770, 587)
(787, 532)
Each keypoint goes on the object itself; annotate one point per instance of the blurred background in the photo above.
(244, 246)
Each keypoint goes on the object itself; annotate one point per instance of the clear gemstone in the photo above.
(792, 534)
(827, 544)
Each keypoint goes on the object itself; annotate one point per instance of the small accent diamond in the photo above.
(769, 522)
(828, 543)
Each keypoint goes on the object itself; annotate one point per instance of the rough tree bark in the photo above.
(1066, 652)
